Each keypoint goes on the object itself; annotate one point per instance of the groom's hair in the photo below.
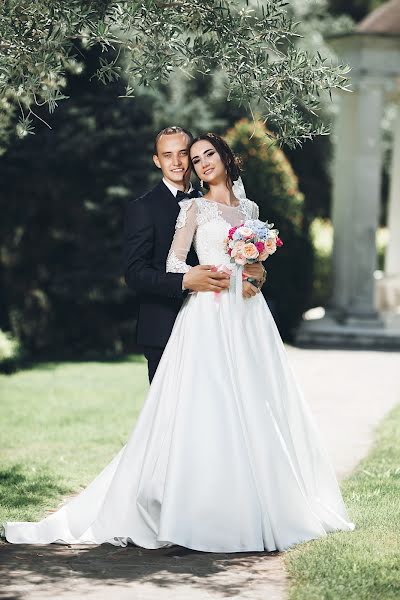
(171, 131)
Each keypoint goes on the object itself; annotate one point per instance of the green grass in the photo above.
(364, 564)
(60, 425)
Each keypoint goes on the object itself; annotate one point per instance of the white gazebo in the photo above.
(364, 311)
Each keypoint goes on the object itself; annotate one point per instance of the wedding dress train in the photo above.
(225, 456)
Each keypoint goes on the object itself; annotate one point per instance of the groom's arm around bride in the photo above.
(148, 232)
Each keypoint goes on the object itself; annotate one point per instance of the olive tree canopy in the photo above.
(147, 41)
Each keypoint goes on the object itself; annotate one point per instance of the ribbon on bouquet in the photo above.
(239, 276)
(236, 273)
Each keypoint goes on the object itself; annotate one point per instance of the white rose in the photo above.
(245, 232)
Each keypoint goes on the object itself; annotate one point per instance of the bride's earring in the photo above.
(201, 183)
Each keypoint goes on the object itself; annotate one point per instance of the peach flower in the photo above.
(240, 259)
(270, 245)
(250, 251)
(238, 247)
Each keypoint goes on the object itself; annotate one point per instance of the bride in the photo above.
(225, 456)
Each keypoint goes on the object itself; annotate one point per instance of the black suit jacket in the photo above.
(148, 232)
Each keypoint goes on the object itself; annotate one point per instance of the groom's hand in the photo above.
(202, 279)
(255, 271)
(249, 290)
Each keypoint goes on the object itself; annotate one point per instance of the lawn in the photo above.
(60, 424)
(364, 564)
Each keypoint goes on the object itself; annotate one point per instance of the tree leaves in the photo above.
(254, 46)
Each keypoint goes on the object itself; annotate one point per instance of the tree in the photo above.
(255, 49)
(62, 199)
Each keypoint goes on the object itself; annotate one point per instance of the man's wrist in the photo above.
(253, 281)
(258, 282)
(263, 279)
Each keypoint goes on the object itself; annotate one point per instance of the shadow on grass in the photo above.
(49, 568)
(50, 364)
(20, 488)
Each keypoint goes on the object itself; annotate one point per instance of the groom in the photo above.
(148, 232)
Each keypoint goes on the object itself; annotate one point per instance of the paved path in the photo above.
(349, 392)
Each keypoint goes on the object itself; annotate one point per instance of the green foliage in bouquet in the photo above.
(270, 181)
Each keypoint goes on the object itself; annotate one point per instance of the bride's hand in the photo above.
(249, 290)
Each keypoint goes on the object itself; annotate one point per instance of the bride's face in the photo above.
(207, 162)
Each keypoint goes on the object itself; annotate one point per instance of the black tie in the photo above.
(185, 195)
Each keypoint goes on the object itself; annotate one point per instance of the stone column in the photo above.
(392, 259)
(356, 199)
(343, 182)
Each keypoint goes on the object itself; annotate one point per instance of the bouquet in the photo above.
(252, 241)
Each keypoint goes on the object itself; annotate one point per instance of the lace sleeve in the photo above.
(255, 211)
(184, 232)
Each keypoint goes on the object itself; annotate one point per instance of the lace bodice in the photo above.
(206, 225)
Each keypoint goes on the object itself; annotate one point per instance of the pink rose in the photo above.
(279, 242)
(264, 254)
(231, 232)
(250, 251)
(260, 246)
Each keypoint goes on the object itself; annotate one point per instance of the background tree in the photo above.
(254, 49)
(62, 199)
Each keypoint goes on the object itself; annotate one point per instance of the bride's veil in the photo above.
(238, 189)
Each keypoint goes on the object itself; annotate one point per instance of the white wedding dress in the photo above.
(225, 456)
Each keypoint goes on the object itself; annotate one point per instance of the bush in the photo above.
(63, 194)
(270, 181)
(10, 352)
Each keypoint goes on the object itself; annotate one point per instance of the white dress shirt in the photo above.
(175, 190)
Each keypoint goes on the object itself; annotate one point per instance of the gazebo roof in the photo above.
(382, 20)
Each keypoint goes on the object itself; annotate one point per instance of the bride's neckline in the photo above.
(222, 203)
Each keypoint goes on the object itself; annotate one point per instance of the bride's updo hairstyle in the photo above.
(228, 158)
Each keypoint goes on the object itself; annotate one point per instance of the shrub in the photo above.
(270, 181)
(62, 199)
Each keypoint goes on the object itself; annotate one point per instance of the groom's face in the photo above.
(173, 158)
